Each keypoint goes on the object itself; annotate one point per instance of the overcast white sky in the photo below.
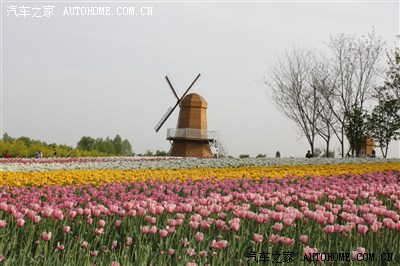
(64, 77)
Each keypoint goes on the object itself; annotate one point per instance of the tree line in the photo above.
(107, 146)
(327, 95)
(86, 147)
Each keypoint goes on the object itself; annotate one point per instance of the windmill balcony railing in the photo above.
(190, 134)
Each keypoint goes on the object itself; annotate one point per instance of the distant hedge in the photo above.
(26, 147)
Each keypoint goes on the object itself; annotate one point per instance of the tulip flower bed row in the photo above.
(207, 221)
(45, 160)
(135, 163)
(98, 177)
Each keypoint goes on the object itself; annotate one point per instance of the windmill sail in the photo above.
(171, 109)
(163, 119)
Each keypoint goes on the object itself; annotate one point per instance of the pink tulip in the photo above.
(163, 233)
(171, 222)
(99, 231)
(356, 255)
(87, 212)
(338, 228)
(72, 215)
(199, 236)
(142, 212)
(153, 230)
(196, 217)
(235, 224)
(20, 222)
(205, 213)
(258, 238)
(194, 225)
(287, 241)
(287, 221)
(79, 211)
(3, 223)
(184, 242)
(190, 252)
(117, 223)
(308, 252)
(60, 247)
(102, 223)
(222, 215)
(171, 251)
(274, 239)
(115, 263)
(1, 258)
(66, 229)
(219, 223)
(114, 244)
(58, 214)
(205, 225)
(362, 229)
(222, 244)
(304, 239)
(277, 227)
(376, 226)
(96, 212)
(187, 208)
(46, 236)
(145, 229)
(329, 229)
(85, 244)
(94, 253)
(36, 219)
(128, 241)
(47, 212)
(170, 230)
(170, 208)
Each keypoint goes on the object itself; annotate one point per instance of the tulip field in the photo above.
(177, 211)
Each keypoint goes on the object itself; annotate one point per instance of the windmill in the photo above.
(191, 137)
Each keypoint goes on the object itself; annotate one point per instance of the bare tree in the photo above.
(326, 121)
(392, 82)
(292, 93)
(355, 65)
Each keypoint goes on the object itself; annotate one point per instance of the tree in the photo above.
(126, 148)
(355, 128)
(27, 141)
(117, 142)
(354, 67)
(149, 153)
(161, 153)
(101, 146)
(108, 146)
(392, 82)
(292, 93)
(321, 83)
(86, 143)
(384, 121)
(7, 138)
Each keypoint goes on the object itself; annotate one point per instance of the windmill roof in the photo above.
(193, 100)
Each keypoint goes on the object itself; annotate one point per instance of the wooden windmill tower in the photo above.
(191, 138)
